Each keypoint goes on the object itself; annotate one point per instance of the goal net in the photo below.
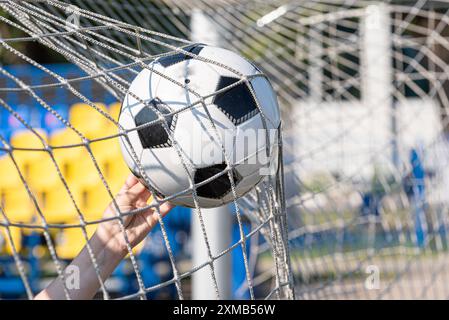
(361, 192)
(58, 178)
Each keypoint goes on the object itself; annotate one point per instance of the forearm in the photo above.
(108, 244)
(107, 255)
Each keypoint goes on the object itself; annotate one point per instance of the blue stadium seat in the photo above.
(25, 112)
(4, 130)
(155, 250)
(50, 123)
(5, 135)
(3, 118)
(36, 111)
(238, 267)
(179, 219)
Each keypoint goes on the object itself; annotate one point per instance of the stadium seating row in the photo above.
(68, 241)
(39, 117)
(42, 171)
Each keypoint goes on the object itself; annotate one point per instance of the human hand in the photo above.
(132, 195)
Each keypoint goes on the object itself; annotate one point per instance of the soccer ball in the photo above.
(211, 115)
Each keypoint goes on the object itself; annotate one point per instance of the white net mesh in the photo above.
(363, 92)
(110, 53)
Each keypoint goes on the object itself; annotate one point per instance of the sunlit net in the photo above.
(363, 92)
(363, 88)
(112, 52)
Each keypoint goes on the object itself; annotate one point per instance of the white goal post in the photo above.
(217, 221)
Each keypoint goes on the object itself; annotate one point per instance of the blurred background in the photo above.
(363, 89)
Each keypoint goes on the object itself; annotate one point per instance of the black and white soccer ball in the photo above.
(195, 114)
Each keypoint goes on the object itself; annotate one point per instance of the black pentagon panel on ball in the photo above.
(179, 57)
(237, 103)
(155, 135)
(218, 187)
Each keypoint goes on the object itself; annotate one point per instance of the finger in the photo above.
(143, 199)
(151, 215)
(139, 193)
(132, 195)
(130, 181)
(165, 208)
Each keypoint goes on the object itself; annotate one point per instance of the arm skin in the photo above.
(108, 243)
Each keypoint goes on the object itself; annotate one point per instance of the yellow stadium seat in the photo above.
(71, 241)
(18, 205)
(27, 139)
(104, 150)
(76, 162)
(16, 236)
(116, 172)
(66, 137)
(58, 206)
(72, 160)
(111, 146)
(88, 120)
(96, 199)
(42, 175)
(9, 174)
(83, 172)
(114, 110)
